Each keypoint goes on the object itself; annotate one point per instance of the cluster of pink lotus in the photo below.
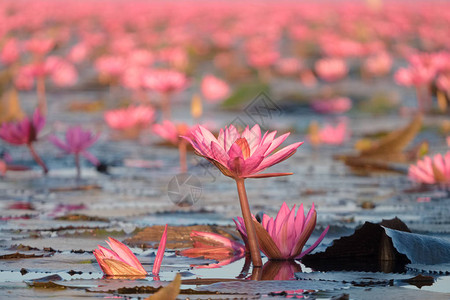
(155, 50)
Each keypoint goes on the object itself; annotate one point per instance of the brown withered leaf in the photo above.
(177, 236)
(169, 292)
(391, 148)
(10, 109)
(86, 106)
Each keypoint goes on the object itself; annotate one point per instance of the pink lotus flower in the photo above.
(378, 65)
(165, 81)
(132, 117)
(10, 52)
(214, 89)
(61, 71)
(288, 66)
(40, 46)
(171, 131)
(331, 69)
(285, 236)
(336, 105)
(329, 134)
(434, 170)
(25, 132)
(120, 261)
(79, 53)
(110, 66)
(242, 155)
(77, 142)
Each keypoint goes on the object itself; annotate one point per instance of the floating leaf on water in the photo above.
(420, 249)
(45, 282)
(368, 249)
(357, 278)
(269, 286)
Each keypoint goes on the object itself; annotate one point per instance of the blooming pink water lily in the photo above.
(242, 155)
(429, 170)
(119, 261)
(165, 81)
(285, 236)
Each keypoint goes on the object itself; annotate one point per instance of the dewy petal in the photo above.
(316, 243)
(100, 260)
(277, 142)
(160, 253)
(125, 254)
(278, 157)
(266, 242)
(267, 175)
(309, 228)
(119, 268)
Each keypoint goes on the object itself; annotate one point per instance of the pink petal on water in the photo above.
(319, 240)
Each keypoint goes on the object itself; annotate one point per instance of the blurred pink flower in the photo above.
(61, 71)
(443, 82)
(429, 170)
(288, 66)
(10, 52)
(119, 261)
(285, 236)
(77, 141)
(242, 155)
(414, 76)
(333, 135)
(109, 65)
(165, 81)
(24, 79)
(172, 131)
(78, 53)
(214, 89)
(40, 46)
(334, 105)
(130, 117)
(23, 132)
(378, 65)
(331, 69)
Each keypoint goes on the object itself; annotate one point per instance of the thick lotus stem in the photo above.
(249, 226)
(37, 158)
(182, 146)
